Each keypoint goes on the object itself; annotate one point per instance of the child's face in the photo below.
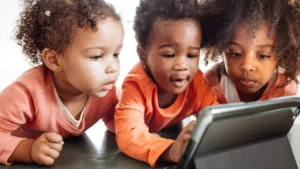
(90, 63)
(173, 53)
(250, 62)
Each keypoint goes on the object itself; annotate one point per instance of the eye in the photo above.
(263, 56)
(233, 54)
(116, 55)
(96, 57)
(192, 55)
(169, 55)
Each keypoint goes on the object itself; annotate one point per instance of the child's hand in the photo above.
(176, 150)
(46, 148)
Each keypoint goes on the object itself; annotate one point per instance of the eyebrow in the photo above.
(98, 47)
(259, 46)
(266, 46)
(174, 45)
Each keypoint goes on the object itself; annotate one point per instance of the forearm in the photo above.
(165, 157)
(110, 125)
(22, 153)
(150, 146)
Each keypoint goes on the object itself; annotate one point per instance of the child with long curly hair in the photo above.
(75, 45)
(259, 41)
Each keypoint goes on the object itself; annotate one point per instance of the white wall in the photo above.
(12, 62)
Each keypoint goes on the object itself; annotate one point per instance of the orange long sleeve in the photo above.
(138, 115)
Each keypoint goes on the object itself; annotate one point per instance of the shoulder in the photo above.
(200, 93)
(292, 88)
(138, 79)
(29, 93)
(212, 75)
(199, 84)
(35, 80)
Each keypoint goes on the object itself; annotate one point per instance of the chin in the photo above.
(100, 94)
(178, 90)
(248, 91)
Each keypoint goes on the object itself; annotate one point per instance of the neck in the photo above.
(165, 99)
(66, 91)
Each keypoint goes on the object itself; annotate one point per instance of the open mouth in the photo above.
(179, 81)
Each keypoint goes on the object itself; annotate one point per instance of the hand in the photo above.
(46, 148)
(176, 150)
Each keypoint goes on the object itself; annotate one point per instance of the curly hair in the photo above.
(221, 18)
(52, 23)
(149, 11)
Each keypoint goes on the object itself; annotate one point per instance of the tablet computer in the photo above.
(222, 127)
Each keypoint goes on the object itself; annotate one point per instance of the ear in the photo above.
(50, 59)
(142, 54)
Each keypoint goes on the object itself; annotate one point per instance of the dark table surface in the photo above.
(97, 148)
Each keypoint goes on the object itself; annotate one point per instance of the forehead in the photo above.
(106, 30)
(170, 29)
(262, 35)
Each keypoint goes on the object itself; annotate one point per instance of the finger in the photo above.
(192, 123)
(55, 146)
(54, 138)
(52, 153)
(189, 128)
(186, 137)
(45, 160)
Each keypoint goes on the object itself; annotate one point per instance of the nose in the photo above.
(248, 64)
(112, 66)
(180, 64)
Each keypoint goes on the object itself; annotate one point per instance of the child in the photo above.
(78, 43)
(166, 85)
(260, 45)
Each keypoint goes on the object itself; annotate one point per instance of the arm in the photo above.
(132, 133)
(22, 152)
(15, 109)
(205, 96)
(108, 119)
(44, 150)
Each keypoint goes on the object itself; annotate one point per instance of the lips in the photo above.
(109, 85)
(247, 81)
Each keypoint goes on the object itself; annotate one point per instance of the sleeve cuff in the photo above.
(8, 149)
(158, 151)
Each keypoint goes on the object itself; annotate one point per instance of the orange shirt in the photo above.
(213, 76)
(138, 114)
(28, 108)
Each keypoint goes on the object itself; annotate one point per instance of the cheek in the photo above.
(267, 70)
(158, 70)
(156, 65)
(85, 70)
(230, 66)
(194, 66)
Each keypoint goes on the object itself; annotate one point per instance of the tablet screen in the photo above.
(229, 132)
